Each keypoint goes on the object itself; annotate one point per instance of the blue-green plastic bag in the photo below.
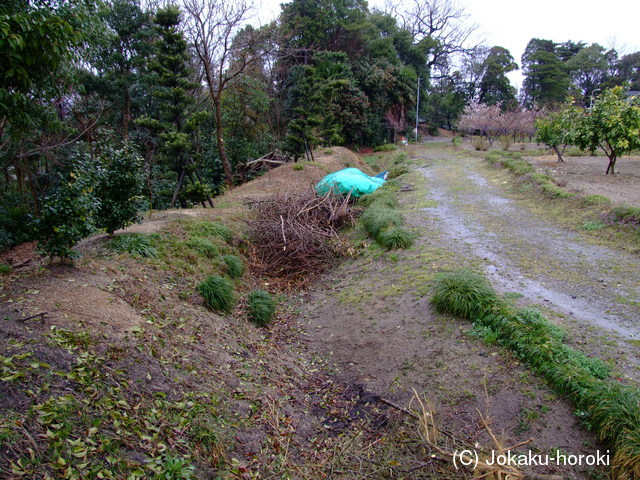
(349, 180)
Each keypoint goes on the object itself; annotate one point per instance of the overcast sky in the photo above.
(511, 24)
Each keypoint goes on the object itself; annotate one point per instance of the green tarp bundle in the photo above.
(349, 180)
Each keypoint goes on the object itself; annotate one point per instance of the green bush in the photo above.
(395, 237)
(135, 244)
(387, 147)
(378, 218)
(203, 246)
(211, 229)
(235, 265)
(262, 307)
(119, 187)
(68, 213)
(464, 294)
(218, 293)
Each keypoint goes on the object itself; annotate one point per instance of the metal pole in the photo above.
(417, 109)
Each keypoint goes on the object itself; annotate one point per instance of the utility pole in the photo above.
(417, 108)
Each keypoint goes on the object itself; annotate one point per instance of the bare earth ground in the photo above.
(585, 175)
(370, 316)
(373, 318)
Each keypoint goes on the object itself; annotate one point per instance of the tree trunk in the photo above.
(183, 173)
(555, 149)
(126, 119)
(612, 165)
(226, 166)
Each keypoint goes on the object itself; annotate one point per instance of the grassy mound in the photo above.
(211, 229)
(135, 244)
(611, 408)
(204, 246)
(395, 237)
(218, 293)
(262, 307)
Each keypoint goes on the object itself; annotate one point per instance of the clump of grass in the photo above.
(298, 166)
(597, 200)
(379, 218)
(395, 237)
(397, 170)
(612, 408)
(211, 229)
(379, 197)
(218, 293)
(593, 225)
(204, 246)
(401, 158)
(626, 214)
(262, 307)
(464, 294)
(387, 147)
(5, 269)
(554, 191)
(235, 265)
(135, 244)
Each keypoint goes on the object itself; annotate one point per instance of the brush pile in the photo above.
(295, 235)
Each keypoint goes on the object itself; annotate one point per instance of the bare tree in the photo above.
(225, 56)
(444, 22)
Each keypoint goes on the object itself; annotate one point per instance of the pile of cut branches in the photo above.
(295, 235)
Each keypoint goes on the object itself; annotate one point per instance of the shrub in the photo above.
(262, 307)
(218, 293)
(235, 265)
(378, 218)
(119, 187)
(204, 246)
(387, 147)
(211, 229)
(68, 213)
(135, 244)
(480, 143)
(464, 294)
(395, 237)
(505, 141)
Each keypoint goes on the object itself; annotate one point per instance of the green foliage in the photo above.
(612, 408)
(204, 246)
(387, 147)
(235, 265)
(5, 269)
(262, 307)
(15, 224)
(68, 214)
(397, 170)
(381, 197)
(136, 244)
(626, 214)
(298, 166)
(211, 229)
(612, 125)
(596, 200)
(378, 218)
(218, 293)
(464, 294)
(593, 225)
(554, 191)
(395, 237)
(120, 184)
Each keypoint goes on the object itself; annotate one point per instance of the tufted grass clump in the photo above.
(379, 197)
(395, 237)
(135, 244)
(598, 200)
(262, 307)
(203, 246)
(464, 294)
(626, 214)
(211, 229)
(218, 293)
(387, 147)
(378, 218)
(397, 170)
(235, 265)
(5, 268)
(554, 191)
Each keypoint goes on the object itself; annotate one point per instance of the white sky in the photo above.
(512, 23)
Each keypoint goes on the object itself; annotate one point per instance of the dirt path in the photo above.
(548, 264)
(372, 317)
